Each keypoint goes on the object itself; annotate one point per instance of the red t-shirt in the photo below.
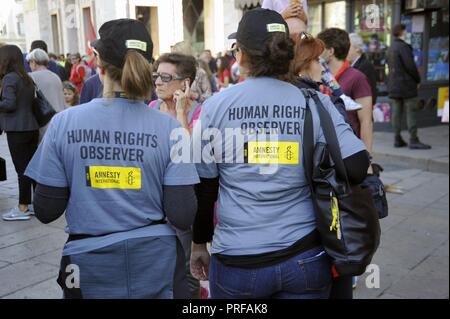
(77, 76)
(355, 85)
(226, 74)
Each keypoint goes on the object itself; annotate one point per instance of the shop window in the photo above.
(335, 13)
(314, 18)
(55, 33)
(373, 22)
(88, 27)
(326, 14)
(149, 17)
(438, 65)
(20, 25)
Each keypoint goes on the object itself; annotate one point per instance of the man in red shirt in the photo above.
(354, 84)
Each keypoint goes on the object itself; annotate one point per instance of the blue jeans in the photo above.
(306, 276)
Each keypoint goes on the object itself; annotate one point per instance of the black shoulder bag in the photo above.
(345, 214)
(43, 111)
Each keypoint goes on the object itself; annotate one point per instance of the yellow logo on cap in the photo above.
(276, 27)
(136, 44)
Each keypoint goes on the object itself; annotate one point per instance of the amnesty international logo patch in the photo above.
(109, 177)
(281, 153)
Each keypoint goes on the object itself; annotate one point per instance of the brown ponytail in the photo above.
(272, 61)
(136, 78)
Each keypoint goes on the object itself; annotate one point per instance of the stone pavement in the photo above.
(413, 258)
(434, 160)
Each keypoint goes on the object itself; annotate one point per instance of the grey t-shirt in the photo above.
(51, 86)
(264, 201)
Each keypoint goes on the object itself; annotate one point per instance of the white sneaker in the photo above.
(16, 215)
(30, 210)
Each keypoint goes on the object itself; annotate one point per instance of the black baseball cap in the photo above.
(119, 36)
(256, 27)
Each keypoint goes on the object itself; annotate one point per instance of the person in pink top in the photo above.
(173, 79)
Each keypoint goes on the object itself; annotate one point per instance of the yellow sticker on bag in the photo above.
(281, 153)
(108, 177)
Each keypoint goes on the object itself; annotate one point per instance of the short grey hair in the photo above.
(356, 41)
(39, 56)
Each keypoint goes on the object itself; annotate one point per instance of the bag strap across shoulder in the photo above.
(330, 137)
(308, 140)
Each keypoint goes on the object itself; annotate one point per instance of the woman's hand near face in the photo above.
(183, 105)
(183, 99)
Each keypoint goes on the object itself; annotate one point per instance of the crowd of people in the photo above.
(107, 163)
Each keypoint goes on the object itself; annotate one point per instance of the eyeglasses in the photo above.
(165, 77)
(305, 35)
(234, 50)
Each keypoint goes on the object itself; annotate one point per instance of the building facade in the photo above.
(12, 27)
(68, 25)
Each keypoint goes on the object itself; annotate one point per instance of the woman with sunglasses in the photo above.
(108, 164)
(173, 78)
(265, 244)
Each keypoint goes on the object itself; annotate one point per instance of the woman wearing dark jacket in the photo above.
(17, 120)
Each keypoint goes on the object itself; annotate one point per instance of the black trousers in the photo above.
(342, 288)
(22, 146)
